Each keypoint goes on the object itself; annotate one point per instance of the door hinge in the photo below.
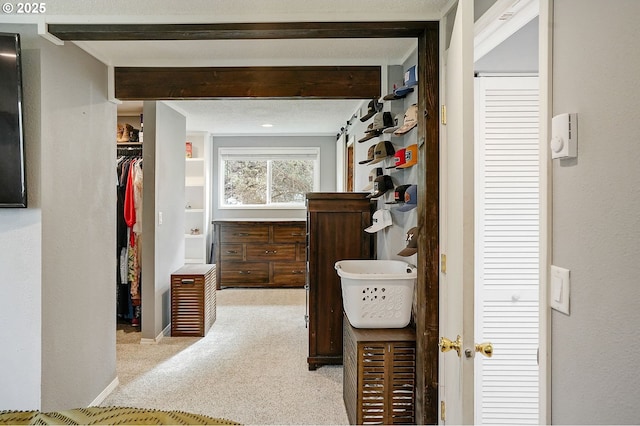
(443, 114)
(443, 413)
(443, 263)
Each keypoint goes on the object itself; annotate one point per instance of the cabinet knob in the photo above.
(270, 251)
(244, 272)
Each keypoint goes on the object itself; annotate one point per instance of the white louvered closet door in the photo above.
(507, 249)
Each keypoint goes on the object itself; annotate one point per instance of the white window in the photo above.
(267, 177)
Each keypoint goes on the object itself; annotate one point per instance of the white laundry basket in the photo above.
(377, 293)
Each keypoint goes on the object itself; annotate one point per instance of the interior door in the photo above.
(507, 241)
(457, 220)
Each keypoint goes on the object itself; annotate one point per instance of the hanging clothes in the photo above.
(129, 237)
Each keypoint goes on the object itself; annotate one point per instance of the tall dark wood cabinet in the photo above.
(335, 228)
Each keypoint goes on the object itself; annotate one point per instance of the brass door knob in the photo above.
(485, 349)
(446, 344)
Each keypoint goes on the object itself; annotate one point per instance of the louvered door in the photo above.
(507, 250)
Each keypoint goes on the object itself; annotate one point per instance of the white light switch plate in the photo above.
(559, 289)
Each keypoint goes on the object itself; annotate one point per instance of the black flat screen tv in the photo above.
(13, 187)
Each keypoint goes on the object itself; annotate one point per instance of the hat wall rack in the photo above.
(128, 149)
(345, 129)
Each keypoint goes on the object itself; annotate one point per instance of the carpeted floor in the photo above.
(251, 367)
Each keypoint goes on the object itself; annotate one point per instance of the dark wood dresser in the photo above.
(335, 226)
(260, 253)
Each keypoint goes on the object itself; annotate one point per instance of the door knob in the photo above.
(446, 345)
(485, 349)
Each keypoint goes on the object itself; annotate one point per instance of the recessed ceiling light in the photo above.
(267, 125)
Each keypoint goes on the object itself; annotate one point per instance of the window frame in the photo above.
(266, 154)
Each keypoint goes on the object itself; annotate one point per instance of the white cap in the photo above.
(381, 219)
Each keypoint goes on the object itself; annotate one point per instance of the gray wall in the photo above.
(517, 54)
(163, 192)
(327, 145)
(393, 239)
(596, 225)
(21, 254)
(58, 262)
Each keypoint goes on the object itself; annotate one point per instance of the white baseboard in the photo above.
(105, 393)
(159, 337)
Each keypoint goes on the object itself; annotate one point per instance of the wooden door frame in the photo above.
(427, 34)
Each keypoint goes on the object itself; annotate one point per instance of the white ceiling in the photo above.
(244, 116)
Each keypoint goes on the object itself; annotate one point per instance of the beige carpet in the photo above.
(251, 367)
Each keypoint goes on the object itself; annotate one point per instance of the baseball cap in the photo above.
(410, 199)
(399, 158)
(398, 194)
(373, 107)
(381, 185)
(393, 96)
(410, 120)
(373, 174)
(370, 155)
(382, 150)
(370, 133)
(382, 120)
(410, 157)
(412, 243)
(397, 123)
(381, 219)
(410, 79)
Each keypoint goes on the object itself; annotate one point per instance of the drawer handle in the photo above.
(296, 234)
(297, 272)
(244, 272)
(241, 234)
(232, 251)
(270, 251)
(187, 281)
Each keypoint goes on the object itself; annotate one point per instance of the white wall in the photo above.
(57, 257)
(327, 145)
(596, 225)
(163, 192)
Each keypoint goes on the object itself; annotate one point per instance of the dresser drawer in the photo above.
(244, 234)
(271, 252)
(244, 272)
(231, 252)
(289, 273)
(289, 233)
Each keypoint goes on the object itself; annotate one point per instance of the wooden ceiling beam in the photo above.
(333, 82)
(238, 31)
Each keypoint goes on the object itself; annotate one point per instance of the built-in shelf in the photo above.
(196, 216)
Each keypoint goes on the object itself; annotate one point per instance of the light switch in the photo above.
(559, 289)
(159, 218)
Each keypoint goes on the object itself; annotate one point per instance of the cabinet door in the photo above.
(333, 237)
